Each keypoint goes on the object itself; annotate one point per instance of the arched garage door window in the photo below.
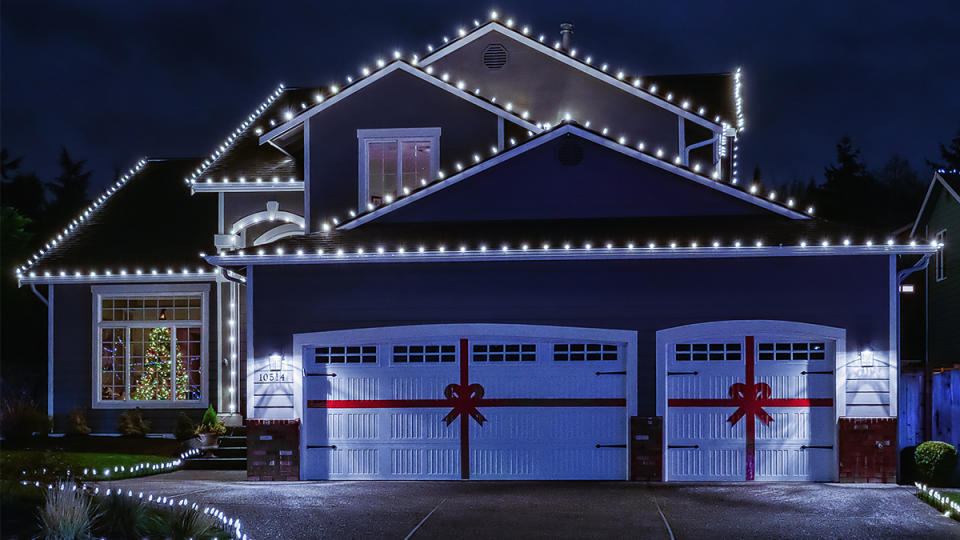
(750, 400)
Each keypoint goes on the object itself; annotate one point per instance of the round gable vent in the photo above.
(494, 56)
(570, 153)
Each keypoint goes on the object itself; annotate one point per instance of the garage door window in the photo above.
(701, 352)
(419, 354)
(506, 352)
(576, 352)
(359, 354)
(791, 351)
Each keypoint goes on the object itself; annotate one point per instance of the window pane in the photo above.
(189, 363)
(173, 308)
(151, 366)
(112, 365)
(415, 162)
(382, 170)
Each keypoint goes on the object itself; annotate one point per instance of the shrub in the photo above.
(210, 423)
(185, 428)
(122, 517)
(66, 513)
(209, 417)
(20, 418)
(935, 462)
(77, 422)
(132, 424)
(183, 522)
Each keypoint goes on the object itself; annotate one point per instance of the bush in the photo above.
(209, 417)
(123, 517)
(935, 462)
(77, 422)
(210, 423)
(183, 522)
(66, 513)
(20, 418)
(185, 428)
(132, 424)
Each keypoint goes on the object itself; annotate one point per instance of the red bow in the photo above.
(747, 397)
(464, 400)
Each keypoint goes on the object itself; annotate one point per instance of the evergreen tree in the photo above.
(155, 381)
(949, 154)
(69, 190)
(850, 194)
(903, 190)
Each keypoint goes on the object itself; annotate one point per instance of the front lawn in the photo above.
(33, 464)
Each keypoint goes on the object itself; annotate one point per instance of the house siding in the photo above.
(73, 365)
(944, 295)
(641, 295)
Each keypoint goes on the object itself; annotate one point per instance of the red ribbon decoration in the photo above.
(465, 399)
(747, 397)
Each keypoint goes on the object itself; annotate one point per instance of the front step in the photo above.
(230, 456)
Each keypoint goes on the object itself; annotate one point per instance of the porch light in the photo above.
(276, 362)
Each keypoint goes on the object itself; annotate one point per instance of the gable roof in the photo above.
(137, 224)
(457, 88)
(575, 129)
(948, 180)
(633, 85)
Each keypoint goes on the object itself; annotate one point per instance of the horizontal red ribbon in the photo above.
(727, 402)
(427, 403)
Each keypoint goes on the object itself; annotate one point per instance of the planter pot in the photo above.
(208, 442)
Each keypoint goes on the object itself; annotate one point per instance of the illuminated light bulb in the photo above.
(685, 104)
(353, 213)
(288, 115)
(461, 32)
(380, 250)
(463, 248)
(493, 15)
(334, 89)
(609, 246)
(461, 85)
(810, 210)
(429, 70)
(693, 244)
(716, 244)
(869, 242)
(659, 152)
(445, 40)
(753, 189)
(526, 30)
(545, 246)
(790, 203)
(388, 198)
(556, 44)
(653, 88)
(736, 244)
(509, 23)
(587, 59)
(825, 243)
(508, 106)
(483, 248)
(603, 67)
(369, 206)
(406, 191)
(504, 248)
(340, 252)
(803, 243)
(604, 131)
(701, 111)
(846, 241)
(476, 158)
(676, 160)
(622, 140)
(442, 249)
(620, 75)
(588, 246)
(396, 55)
(364, 71)
(299, 252)
(359, 251)
(759, 243)
(640, 146)
(258, 131)
(445, 77)
(890, 241)
(636, 83)
(573, 52)
(773, 195)
(458, 166)
(913, 243)
(566, 246)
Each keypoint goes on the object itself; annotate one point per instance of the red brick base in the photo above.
(273, 450)
(868, 450)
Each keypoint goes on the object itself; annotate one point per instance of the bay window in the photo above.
(150, 346)
(394, 162)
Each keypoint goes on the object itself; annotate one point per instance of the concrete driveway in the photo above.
(554, 509)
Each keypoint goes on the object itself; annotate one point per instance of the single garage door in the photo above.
(750, 407)
(481, 403)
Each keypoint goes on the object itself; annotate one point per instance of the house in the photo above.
(939, 306)
(497, 259)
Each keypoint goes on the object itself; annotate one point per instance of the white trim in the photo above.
(251, 371)
(100, 291)
(576, 64)
(398, 135)
(559, 253)
(282, 231)
(393, 66)
(725, 329)
(50, 350)
(306, 178)
(265, 215)
(469, 330)
(246, 187)
(173, 277)
(926, 198)
(893, 370)
(584, 134)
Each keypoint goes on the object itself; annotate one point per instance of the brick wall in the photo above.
(868, 449)
(273, 450)
(646, 448)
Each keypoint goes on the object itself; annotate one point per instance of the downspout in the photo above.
(686, 150)
(33, 287)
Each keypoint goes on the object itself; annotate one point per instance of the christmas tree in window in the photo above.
(157, 365)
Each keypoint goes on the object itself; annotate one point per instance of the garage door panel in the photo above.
(798, 386)
(696, 424)
(435, 463)
(785, 464)
(713, 464)
(405, 386)
(421, 426)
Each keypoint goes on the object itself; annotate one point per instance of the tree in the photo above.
(7, 165)
(155, 381)
(903, 190)
(850, 194)
(949, 154)
(69, 190)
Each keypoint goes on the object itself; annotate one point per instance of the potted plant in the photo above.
(210, 430)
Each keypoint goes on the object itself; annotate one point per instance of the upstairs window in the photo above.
(394, 162)
(941, 268)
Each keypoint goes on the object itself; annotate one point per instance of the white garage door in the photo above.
(754, 407)
(463, 406)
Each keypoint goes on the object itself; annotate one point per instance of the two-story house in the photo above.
(482, 261)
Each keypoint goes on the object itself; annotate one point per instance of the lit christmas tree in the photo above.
(155, 381)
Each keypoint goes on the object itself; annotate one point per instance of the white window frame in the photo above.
(939, 258)
(105, 291)
(367, 136)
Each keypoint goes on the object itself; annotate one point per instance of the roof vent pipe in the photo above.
(566, 36)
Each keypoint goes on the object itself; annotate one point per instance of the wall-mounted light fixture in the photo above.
(276, 362)
(866, 358)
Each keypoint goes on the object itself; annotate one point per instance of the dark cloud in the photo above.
(113, 81)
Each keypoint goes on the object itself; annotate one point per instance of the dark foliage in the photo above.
(935, 462)
(132, 423)
(185, 427)
(21, 420)
(949, 155)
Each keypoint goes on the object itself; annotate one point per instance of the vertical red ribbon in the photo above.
(751, 423)
(464, 418)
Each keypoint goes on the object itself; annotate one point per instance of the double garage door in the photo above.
(473, 401)
(744, 405)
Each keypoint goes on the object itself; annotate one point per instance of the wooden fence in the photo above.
(945, 398)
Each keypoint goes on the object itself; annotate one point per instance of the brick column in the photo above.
(273, 450)
(868, 450)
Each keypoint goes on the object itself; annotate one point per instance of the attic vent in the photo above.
(494, 56)
(570, 153)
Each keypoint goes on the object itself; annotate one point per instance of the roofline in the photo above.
(181, 277)
(923, 206)
(588, 69)
(379, 74)
(562, 129)
(562, 253)
(246, 187)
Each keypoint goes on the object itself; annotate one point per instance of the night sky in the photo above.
(115, 81)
